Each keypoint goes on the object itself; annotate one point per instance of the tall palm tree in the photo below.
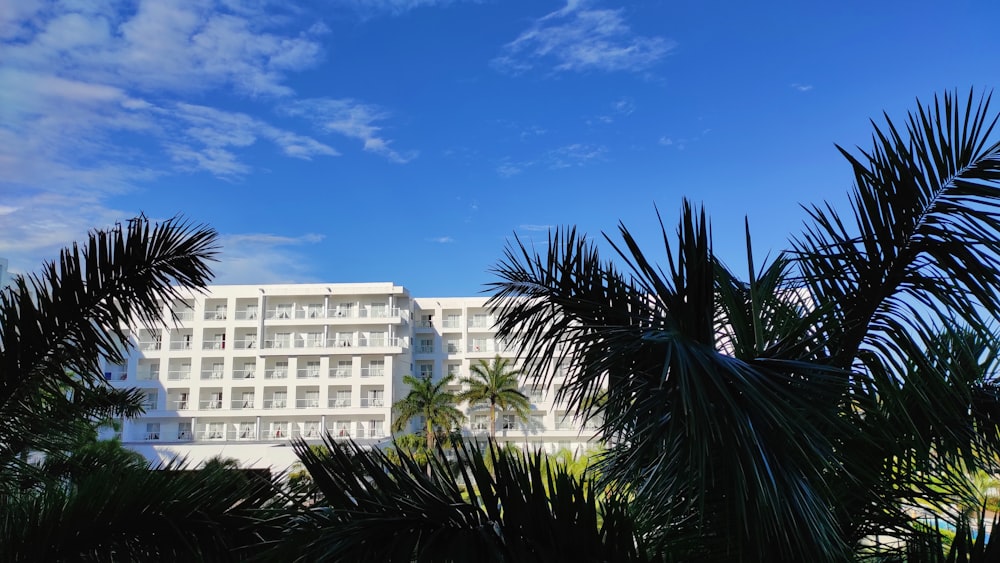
(497, 382)
(429, 400)
(790, 415)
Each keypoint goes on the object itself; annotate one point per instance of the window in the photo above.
(314, 311)
(345, 338)
(314, 339)
(311, 399)
(453, 320)
(220, 312)
(152, 431)
(283, 311)
(536, 394)
(378, 310)
(184, 431)
(279, 429)
(426, 370)
(215, 402)
(311, 430)
(182, 400)
(279, 399)
(345, 310)
(251, 312)
(342, 398)
(249, 369)
(374, 398)
(217, 369)
(425, 345)
(427, 321)
(376, 368)
(454, 369)
(282, 340)
(507, 422)
(247, 431)
(376, 339)
(312, 369)
(374, 428)
(538, 422)
(149, 401)
(215, 431)
(479, 344)
(280, 369)
(247, 399)
(453, 346)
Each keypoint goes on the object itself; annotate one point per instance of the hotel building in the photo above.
(241, 370)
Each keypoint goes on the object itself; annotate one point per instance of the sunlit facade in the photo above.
(242, 370)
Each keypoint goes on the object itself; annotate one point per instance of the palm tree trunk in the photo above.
(493, 420)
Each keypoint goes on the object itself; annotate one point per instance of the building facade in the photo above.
(242, 370)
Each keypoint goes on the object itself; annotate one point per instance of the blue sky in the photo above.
(408, 140)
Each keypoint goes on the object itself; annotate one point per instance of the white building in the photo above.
(241, 370)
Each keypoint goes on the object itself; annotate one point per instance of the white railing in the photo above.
(219, 315)
(341, 314)
(339, 403)
(149, 404)
(246, 315)
(279, 373)
(151, 436)
(179, 404)
(150, 345)
(185, 315)
(211, 434)
(424, 349)
(213, 345)
(373, 341)
(279, 314)
(245, 344)
(182, 345)
(452, 323)
(275, 403)
(490, 346)
(340, 431)
(210, 404)
(307, 373)
(211, 374)
(307, 433)
(178, 375)
(366, 432)
(482, 322)
(307, 403)
(276, 434)
(184, 435)
(244, 374)
(242, 403)
(425, 324)
(372, 372)
(278, 344)
(339, 343)
(142, 376)
(385, 313)
(368, 402)
(309, 313)
(340, 372)
(453, 346)
(243, 434)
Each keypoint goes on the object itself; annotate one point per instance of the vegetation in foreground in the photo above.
(836, 395)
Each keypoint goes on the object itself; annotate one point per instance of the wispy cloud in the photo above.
(681, 143)
(622, 107)
(264, 258)
(391, 7)
(566, 156)
(352, 119)
(535, 228)
(441, 240)
(802, 87)
(578, 38)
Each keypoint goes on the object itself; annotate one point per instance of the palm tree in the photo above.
(429, 400)
(790, 415)
(496, 381)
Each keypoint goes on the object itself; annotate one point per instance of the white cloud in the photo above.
(578, 38)
(391, 7)
(352, 119)
(535, 228)
(441, 240)
(802, 87)
(264, 258)
(576, 154)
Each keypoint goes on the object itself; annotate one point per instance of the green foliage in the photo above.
(496, 382)
(791, 415)
(429, 400)
(380, 511)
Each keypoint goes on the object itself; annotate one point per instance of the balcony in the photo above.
(181, 345)
(278, 344)
(275, 403)
(279, 314)
(307, 373)
(184, 315)
(213, 434)
(453, 346)
(178, 375)
(379, 313)
(184, 435)
(310, 313)
(243, 434)
(277, 373)
(245, 344)
(372, 402)
(369, 432)
(143, 375)
(341, 314)
(307, 433)
(179, 404)
(151, 436)
(211, 374)
(244, 374)
(276, 434)
(340, 431)
(246, 315)
(213, 345)
(373, 372)
(219, 315)
(238, 404)
(482, 322)
(339, 403)
(452, 323)
(423, 349)
(211, 404)
(150, 345)
(340, 372)
(307, 403)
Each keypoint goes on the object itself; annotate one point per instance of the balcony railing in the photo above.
(213, 345)
(145, 375)
(307, 403)
(280, 314)
(185, 315)
(181, 345)
(219, 315)
(384, 313)
(373, 372)
(307, 433)
(424, 349)
(307, 373)
(278, 373)
(178, 404)
(482, 322)
(454, 346)
(368, 402)
(340, 431)
(369, 432)
(246, 315)
(244, 374)
(149, 404)
(341, 314)
(276, 434)
(150, 345)
(211, 374)
(178, 375)
(210, 404)
(242, 403)
(278, 343)
(452, 323)
(184, 435)
(151, 436)
(310, 313)
(214, 434)
(275, 403)
(339, 403)
(340, 372)
(243, 434)
(245, 344)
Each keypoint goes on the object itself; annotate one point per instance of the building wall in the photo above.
(241, 370)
